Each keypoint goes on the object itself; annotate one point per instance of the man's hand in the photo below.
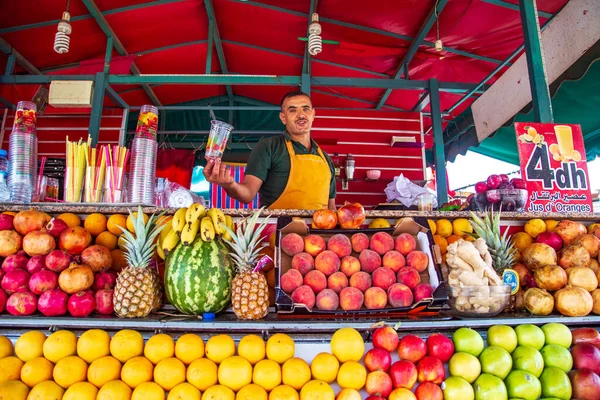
(217, 172)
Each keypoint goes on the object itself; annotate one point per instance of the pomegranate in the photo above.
(56, 226)
(325, 219)
(58, 261)
(551, 239)
(573, 301)
(23, 303)
(104, 301)
(29, 221)
(351, 215)
(74, 240)
(550, 277)
(569, 231)
(10, 243)
(38, 243)
(586, 355)
(585, 383)
(591, 243)
(582, 277)
(15, 261)
(97, 257)
(538, 301)
(524, 273)
(53, 303)
(105, 280)
(43, 281)
(537, 255)
(574, 255)
(3, 298)
(81, 304)
(15, 281)
(586, 335)
(6, 222)
(76, 278)
(36, 264)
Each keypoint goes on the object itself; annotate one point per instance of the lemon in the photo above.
(444, 227)
(6, 347)
(10, 368)
(70, 370)
(252, 348)
(317, 390)
(13, 390)
(267, 374)
(137, 370)
(378, 223)
(218, 392)
(93, 344)
(535, 226)
(551, 225)
(295, 373)
(184, 391)
(45, 391)
(126, 344)
(442, 243)
(35, 371)
(283, 392)
(432, 226)
(235, 373)
(81, 391)
(352, 375)
(114, 390)
(324, 367)
(461, 226)
(189, 347)
(169, 373)
(280, 348)
(219, 347)
(130, 221)
(202, 373)
(347, 345)
(114, 222)
(95, 224)
(59, 345)
(522, 240)
(103, 370)
(251, 392)
(148, 391)
(30, 345)
(107, 240)
(159, 347)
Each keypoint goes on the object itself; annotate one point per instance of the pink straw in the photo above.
(40, 175)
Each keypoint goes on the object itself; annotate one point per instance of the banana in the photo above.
(229, 223)
(207, 229)
(218, 218)
(170, 241)
(159, 249)
(189, 232)
(179, 220)
(194, 212)
(163, 234)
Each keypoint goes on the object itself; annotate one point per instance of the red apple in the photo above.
(504, 177)
(519, 183)
(378, 384)
(386, 338)
(422, 291)
(481, 187)
(493, 181)
(412, 348)
(587, 356)
(429, 391)
(440, 346)
(431, 369)
(378, 360)
(403, 374)
(585, 383)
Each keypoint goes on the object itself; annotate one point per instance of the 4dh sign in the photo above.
(554, 166)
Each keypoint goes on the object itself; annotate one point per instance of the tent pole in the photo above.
(538, 80)
(438, 142)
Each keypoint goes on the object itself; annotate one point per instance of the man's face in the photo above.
(297, 115)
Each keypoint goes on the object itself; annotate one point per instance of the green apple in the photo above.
(464, 365)
(467, 340)
(524, 385)
(557, 356)
(456, 388)
(502, 336)
(496, 361)
(556, 384)
(530, 335)
(558, 334)
(489, 387)
(528, 359)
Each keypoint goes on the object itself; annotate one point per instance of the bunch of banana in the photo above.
(193, 218)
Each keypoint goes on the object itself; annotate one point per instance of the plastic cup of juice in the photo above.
(217, 140)
(564, 137)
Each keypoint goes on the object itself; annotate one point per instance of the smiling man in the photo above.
(288, 171)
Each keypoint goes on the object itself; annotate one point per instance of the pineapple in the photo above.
(501, 249)
(249, 288)
(138, 291)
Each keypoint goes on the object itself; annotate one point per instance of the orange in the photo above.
(35, 371)
(184, 391)
(159, 347)
(189, 347)
(103, 370)
(10, 368)
(218, 392)
(107, 240)
(148, 391)
(70, 219)
(219, 347)
(461, 226)
(119, 260)
(235, 373)
(521, 240)
(280, 348)
(252, 348)
(70, 370)
(453, 238)
(136, 371)
(95, 223)
(114, 390)
(126, 344)
(45, 390)
(202, 373)
(317, 390)
(295, 373)
(114, 222)
(252, 392)
(352, 375)
(325, 367)
(347, 345)
(10, 213)
(6, 347)
(93, 344)
(267, 374)
(30, 345)
(169, 373)
(283, 392)
(59, 345)
(13, 390)
(130, 221)
(348, 394)
(441, 242)
(81, 391)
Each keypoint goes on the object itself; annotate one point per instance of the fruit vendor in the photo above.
(290, 171)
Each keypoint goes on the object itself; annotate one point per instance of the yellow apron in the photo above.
(308, 183)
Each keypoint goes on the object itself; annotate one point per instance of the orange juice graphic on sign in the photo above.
(564, 150)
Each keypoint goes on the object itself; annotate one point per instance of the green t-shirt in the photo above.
(270, 162)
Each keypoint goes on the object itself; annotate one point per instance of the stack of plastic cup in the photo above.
(142, 169)
(22, 154)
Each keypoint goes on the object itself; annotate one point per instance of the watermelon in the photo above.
(198, 277)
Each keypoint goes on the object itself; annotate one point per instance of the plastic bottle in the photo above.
(4, 192)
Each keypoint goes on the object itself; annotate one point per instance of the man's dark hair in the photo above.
(295, 93)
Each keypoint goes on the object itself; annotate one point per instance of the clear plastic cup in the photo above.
(25, 117)
(217, 140)
(147, 125)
